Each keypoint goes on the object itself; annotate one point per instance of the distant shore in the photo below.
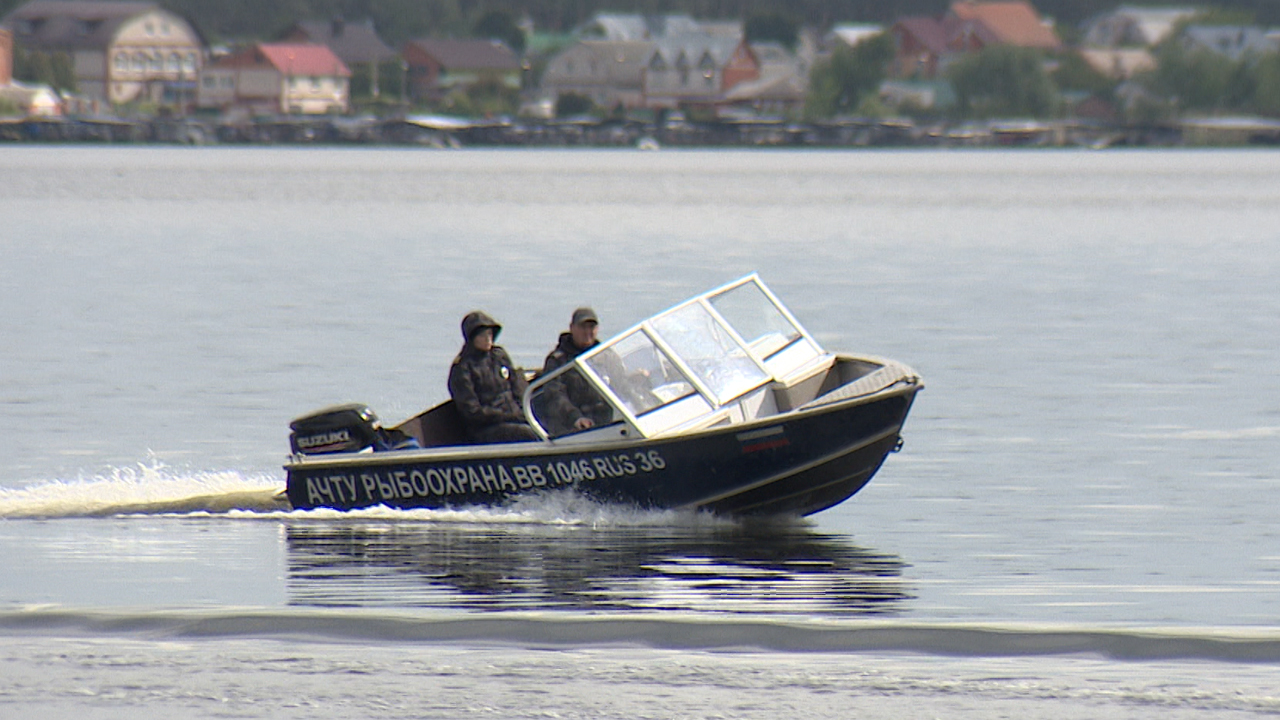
(448, 132)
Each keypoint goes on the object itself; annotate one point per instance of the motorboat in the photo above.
(723, 403)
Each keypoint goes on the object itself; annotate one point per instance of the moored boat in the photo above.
(723, 403)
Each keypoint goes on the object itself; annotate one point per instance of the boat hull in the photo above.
(792, 464)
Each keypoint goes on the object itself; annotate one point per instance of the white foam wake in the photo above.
(143, 489)
(153, 489)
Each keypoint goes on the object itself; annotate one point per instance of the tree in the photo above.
(772, 27)
(1004, 81)
(1266, 97)
(499, 25)
(1196, 79)
(840, 84)
(1073, 73)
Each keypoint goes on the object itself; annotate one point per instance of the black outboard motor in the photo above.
(337, 429)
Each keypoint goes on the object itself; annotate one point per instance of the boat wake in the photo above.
(156, 490)
(144, 489)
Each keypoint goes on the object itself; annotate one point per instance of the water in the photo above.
(1081, 523)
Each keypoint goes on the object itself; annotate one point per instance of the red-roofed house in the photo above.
(270, 78)
(1012, 23)
(926, 45)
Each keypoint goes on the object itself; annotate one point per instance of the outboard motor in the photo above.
(337, 429)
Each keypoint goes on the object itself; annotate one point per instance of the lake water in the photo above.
(1082, 523)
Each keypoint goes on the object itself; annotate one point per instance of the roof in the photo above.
(598, 62)
(354, 42)
(1233, 41)
(927, 31)
(1119, 63)
(290, 59)
(774, 84)
(469, 54)
(852, 34)
(1013, 22)
(73, 23)
(695, 47)
(1150, 24)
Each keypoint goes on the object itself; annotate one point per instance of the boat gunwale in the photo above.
(907, 383)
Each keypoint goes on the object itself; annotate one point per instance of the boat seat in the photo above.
(440, 426)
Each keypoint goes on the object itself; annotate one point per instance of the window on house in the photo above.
(173, 63)
(139, 62)
(315, 84)
(189, 62)
(150, 28)
(209, 82)
(121, 62)
(157, 63)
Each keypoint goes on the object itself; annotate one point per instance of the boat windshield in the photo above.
(760, 323)
(680, 365)
(709, 350)
(640, 373)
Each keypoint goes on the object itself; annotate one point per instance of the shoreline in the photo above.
(430, 131)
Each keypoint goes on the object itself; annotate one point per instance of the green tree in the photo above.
(772, 27)
(499, 25)
(1073, 73)
(1192, 80)
(1004, 81)
(1266, 97)
(840, 84)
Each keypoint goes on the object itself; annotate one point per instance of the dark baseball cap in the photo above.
(584, 315)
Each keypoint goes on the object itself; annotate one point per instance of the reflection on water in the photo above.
(756, 568)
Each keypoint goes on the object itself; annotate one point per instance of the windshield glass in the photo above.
(569, 402)
(756, 318)
(706, 346)
(639, 373)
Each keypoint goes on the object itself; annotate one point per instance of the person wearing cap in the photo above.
(573, 403)
(486, 386)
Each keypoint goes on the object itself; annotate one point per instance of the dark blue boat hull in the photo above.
(792, 464)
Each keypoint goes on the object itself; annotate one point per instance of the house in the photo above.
(696, 69)
(439, 66)
(1231, 41)
(1119, 63)
(922, 47)
(610, 73)
(355, 43)
(1130, 26)
(778, 84)
(120, 51)
(1011, 23)
(271, 78)
(926, 45)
